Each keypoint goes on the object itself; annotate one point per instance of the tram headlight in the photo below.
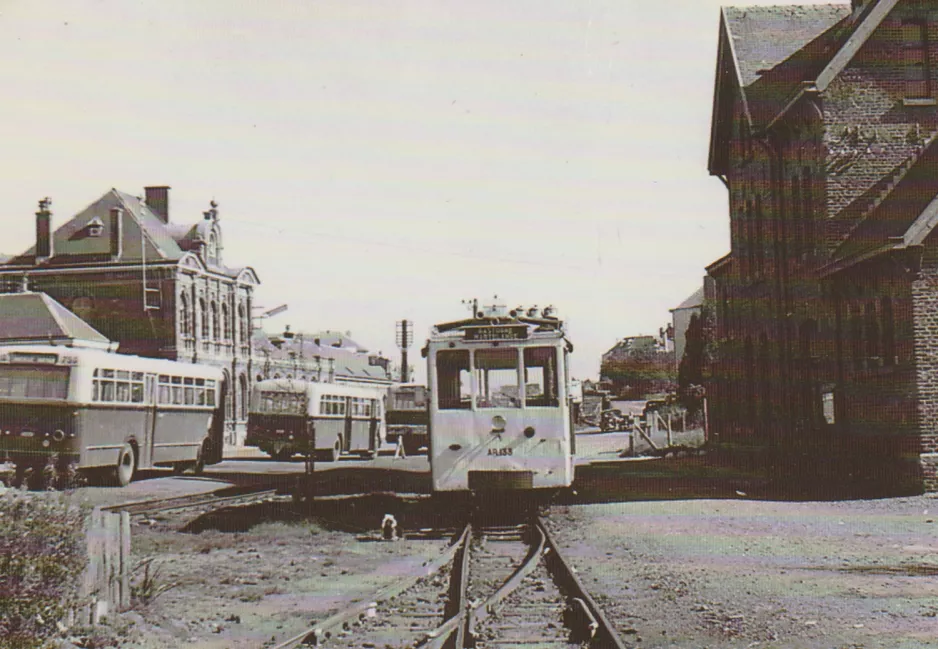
(498, 424)
(58, 435)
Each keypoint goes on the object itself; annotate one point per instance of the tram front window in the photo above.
(540, 373)
(497, 378)
(452, 375)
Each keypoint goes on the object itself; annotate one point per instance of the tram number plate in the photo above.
(500, 451)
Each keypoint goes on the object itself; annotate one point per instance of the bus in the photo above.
(105, 414)
(500, 407)
(408, 417)
(318, 420)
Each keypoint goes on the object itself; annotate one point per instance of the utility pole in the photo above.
(405, 338)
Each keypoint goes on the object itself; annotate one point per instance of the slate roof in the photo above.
(37, 318)
(72, 243)
(694, 301)
(764, 37)
(349, 362)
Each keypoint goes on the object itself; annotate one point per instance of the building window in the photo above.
(203, 313)
(889, 331)
(872, 331)
(807, 213)
(212, 248)
(225, 322)
(856, 340)
(915, 59)
(214, 321)
(184, 319)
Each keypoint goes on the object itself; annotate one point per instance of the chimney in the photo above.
(158, 201)
(44, 231)
(117, 233)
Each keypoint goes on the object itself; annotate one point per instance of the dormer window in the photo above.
(915, 62)
(95, 227)
(212, 248)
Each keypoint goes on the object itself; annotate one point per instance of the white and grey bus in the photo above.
(106, 414)
(319, 420)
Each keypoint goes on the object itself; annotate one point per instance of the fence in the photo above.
(107, 579)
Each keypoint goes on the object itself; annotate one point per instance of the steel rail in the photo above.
(605, 633)
(356, 611)
(140, 507)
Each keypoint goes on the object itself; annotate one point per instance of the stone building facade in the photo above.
(824, 131)
(159, 288)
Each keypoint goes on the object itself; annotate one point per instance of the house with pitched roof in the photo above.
(824, 129)
(157, 287)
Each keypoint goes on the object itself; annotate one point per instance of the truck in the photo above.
(407, 417)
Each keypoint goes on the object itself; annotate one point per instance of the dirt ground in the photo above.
(679, 570)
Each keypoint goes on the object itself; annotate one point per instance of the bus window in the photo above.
(497, 374)
(540, 376)
(107, 385)
(188, 384)
(177, 390)
(210, 392)
(34, 382)
(122, 391)
(452, 376)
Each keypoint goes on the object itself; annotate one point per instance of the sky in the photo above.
(377, 161)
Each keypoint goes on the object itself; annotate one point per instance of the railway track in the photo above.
(497, 586)
(224, 496)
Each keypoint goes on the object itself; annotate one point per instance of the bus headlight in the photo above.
(529, 432)
(498, 424)
(45, 443)
(58, 435)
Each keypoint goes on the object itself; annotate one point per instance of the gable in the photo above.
(764, 56)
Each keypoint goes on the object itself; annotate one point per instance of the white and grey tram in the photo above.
(500, 414)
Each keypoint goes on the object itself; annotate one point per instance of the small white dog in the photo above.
(389, 528)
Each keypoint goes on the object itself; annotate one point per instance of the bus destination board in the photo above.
(497, 332)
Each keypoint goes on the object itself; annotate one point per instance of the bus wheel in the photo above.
(126, 464)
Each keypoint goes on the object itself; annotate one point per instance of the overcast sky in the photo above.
(375, 161)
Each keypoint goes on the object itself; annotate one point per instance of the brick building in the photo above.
(159, 288)
(824, 132)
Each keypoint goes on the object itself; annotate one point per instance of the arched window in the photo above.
(214, 321)
(889, 331)
(225, 323)
(872, 331)
(241, 329)
(203, 314)
(242, 397)
(185, 325)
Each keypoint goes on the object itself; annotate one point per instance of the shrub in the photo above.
(42, 559)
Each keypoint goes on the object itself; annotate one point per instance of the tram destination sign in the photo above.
(497, 332)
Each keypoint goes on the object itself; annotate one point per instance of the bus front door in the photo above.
(147, 447)
(347, 434)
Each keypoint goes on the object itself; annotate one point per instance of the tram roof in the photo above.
(499, 328)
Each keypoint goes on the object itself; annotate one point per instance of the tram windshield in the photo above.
(496, 374)
(33, 382)
(453, 380)
(497, 378)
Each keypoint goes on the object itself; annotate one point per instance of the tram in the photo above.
(106, 414)
(500, 412)
(319, 420)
